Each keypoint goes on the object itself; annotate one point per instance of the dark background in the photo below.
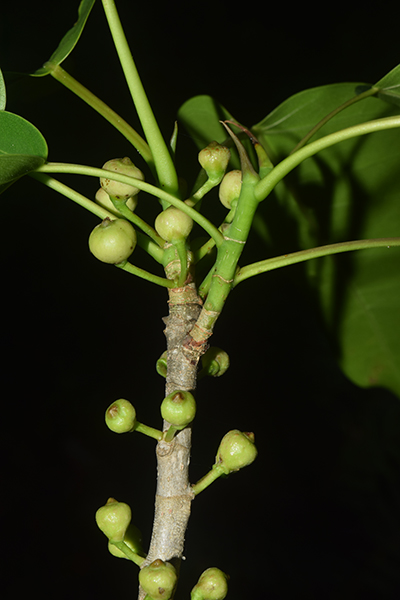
(317, 515)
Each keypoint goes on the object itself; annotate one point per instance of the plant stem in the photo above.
(123, 547)
(142, 185)
(295, 257)
(143, 241)
(130, 268)
(370, 92)
(163, 162)
(207, 480)
(267, 184)
(120, 205)
(105, 111)
(149, 431)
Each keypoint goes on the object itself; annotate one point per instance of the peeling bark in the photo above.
(174, 494)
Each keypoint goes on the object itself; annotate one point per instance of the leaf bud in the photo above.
(214, 159)
(172, 224)
(133, 539)
(113, 519)
(236, 450)
(123, 166)
(103, 199)
(121, 416)
(113, 241)
(229, 190)
(212, 585)
(158, 580)
(215, 361)
(179, 409)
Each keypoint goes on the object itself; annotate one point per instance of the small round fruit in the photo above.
(158, 580)
(212, 585)
(179, 409)
(121, 416)
(124, 166)
(214, 159)
(173, 224)
(236, 450)
(103, 199)
(229, 190)
(113, 519)
(112, 241)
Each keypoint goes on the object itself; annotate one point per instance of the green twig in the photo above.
(207, 480)
(295, 257)
(142, 185)
(267, 184)
(371, 92)
(162, 158)
(149, 431)
(162, 281)
(123, 547)
(105, 111)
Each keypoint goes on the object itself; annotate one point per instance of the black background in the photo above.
(317, 515)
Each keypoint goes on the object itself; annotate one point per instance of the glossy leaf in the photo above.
(69, 40)
(2, 92)
(22, 148)
(389, 86)
(349, 191)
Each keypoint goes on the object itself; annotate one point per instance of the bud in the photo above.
(113, 519)
(214, 159)
(158, 580)
(173, 224)
(236, 450)
(103, 199)
(113, 241)
(212, 585)
(229, 190)
(179, 409)
(215, 361)
(121, 416)
(133, 539)
(124, 166)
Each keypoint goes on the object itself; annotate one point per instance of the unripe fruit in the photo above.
(212, 585)
(236, 450)
(215, 361)
(124, 166)
(112, 241)
(179, 409)
(133, 539)
(214, 159)
(229, 190)
(158, 580)
(103, 199)
(173, 224)
(121, 416)
(113, 519)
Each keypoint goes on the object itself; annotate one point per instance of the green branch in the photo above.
(105, 111)
(162, 158)
(142, 185)
(143, 241)
(371, 92)
(133, 270)
(295, 257)
(267, 184)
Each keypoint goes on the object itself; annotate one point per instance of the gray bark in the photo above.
(173, 494)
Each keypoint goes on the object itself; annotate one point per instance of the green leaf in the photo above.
(2, 92)
(201, 116)
(347, 192)
(69, 40)
(22, 148)
(389, 86)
